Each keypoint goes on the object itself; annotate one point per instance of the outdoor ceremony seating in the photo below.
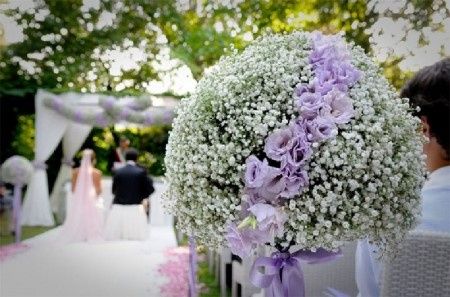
(225, 259)
(421, 267)
(337, 274)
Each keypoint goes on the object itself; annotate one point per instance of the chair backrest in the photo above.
(337, 274)
(421, 268)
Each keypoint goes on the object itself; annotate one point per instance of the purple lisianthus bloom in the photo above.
(326, 47)
(296, 181)
(326, 79)
(345, 73)
(278, 143)
(270, 219)
(321, 128)
(255, 172)
(239, 241)
(300, 89)
(250, 198)
(309, 104)
(301, 147)
(338, 106)
(274, 184)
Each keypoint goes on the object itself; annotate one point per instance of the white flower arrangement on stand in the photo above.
(298, 140)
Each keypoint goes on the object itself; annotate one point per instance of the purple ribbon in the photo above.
(283, 274)
(68, 162)
(17, 201)
(39, 165)
(192, 268)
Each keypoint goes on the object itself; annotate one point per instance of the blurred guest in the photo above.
(116, 157)
(429, 90)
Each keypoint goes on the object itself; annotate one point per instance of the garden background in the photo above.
(135, 47)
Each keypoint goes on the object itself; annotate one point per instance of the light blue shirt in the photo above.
(435, 217)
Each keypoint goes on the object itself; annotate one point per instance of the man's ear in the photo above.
(425, 127)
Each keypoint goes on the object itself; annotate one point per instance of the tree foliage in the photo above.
(69, 45)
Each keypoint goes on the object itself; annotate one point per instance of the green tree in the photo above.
(67, 45)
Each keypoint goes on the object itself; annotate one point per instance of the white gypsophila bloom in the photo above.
(364, 182)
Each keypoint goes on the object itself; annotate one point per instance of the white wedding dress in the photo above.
(84, 218)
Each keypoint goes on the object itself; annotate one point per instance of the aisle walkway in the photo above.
(120, 268)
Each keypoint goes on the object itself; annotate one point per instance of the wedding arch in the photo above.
(69, 117)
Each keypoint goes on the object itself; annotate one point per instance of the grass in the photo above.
(27, 232)
(211, 287)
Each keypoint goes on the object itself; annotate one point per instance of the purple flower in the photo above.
(300, 89)
(338, 107)
(270, 219)
(251, 197)
(326, 48)
(326, 80)
(301, 147)
(255, 172)
(239, 241)
(274, 184)
(320, 129)
(296, 180)
(278, 143)
(309, 104)
(345, 73)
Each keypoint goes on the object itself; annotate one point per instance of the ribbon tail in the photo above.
(331, 292)
(263, 279)
(192, 268)
(17, 201)
(293, 281)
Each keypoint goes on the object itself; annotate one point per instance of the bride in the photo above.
(84, 217)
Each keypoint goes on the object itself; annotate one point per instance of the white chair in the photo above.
(240, 275)
(217, 267)
(421, 268)
(225, 258)
(337, 274)
(210, 258)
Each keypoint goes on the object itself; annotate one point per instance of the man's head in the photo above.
(429, 90)
(131, 155)
(124, 143)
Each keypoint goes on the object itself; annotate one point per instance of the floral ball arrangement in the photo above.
(297, 140)
(16, 170)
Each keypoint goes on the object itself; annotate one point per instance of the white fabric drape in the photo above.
(73, 139)
(50, 127)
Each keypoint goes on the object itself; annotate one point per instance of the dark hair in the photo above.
(131, 154)
(429, 90)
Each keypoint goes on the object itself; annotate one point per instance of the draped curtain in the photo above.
(73, 139)
(50, 128)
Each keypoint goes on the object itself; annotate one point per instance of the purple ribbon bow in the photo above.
(39, 165)
(17, 200)
(283, 274)
(192, 276)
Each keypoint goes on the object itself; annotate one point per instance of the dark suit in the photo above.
(131, 185)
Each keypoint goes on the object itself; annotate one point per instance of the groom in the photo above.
(127, 219)
(131, 185)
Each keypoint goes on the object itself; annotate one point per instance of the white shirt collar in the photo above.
(438, 178)
(131, 162)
